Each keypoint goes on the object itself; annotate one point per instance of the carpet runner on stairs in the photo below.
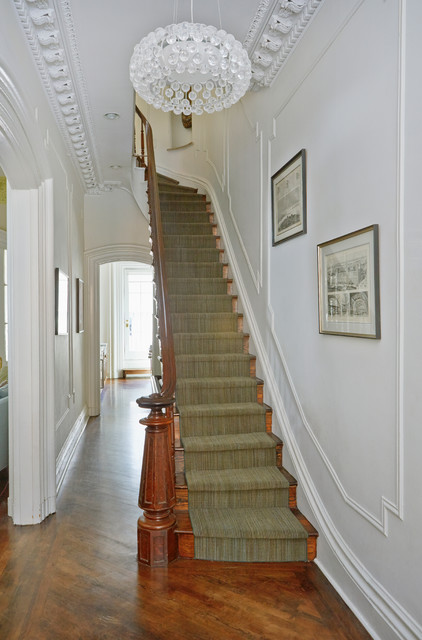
(238, 495)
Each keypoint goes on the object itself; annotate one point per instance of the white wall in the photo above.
(348, 409)
(114, 218)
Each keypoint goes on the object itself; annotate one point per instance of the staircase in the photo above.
(234, 499)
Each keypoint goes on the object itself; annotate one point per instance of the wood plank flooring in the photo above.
(76, 577)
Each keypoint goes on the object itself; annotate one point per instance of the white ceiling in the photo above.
(83, 47)
(106, 39)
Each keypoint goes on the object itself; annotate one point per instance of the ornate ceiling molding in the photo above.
(275, 30)
(48, 26)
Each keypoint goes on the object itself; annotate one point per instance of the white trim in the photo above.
(69, 447)
(31, 295)
(73, 118)
(93, 259)
(31, 361)
(256, 277)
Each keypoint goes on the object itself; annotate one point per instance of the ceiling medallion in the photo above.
(190, 68)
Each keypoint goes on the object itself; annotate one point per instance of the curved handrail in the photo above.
(165, 397)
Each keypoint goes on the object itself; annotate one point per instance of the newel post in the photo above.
(157, 541)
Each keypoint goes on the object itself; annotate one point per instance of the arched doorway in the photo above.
(93, 260)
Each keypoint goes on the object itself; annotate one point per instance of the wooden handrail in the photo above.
(157, 543)
(166, 396)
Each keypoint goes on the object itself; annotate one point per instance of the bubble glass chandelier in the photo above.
(190, 68)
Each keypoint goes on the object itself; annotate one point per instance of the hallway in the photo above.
(76, 577)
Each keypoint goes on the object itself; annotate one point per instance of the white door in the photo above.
(138, 309)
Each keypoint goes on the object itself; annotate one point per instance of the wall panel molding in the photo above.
(256, 275)
(388, 505)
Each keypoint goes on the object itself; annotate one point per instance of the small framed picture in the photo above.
(288, 198)
(79, 305)
(348, 285)
(62, 302)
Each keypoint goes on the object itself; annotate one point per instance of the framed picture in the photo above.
(62, 302)
(288, 198)
(348, 283)
(79, 305)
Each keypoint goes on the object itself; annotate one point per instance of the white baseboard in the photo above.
(68, 449)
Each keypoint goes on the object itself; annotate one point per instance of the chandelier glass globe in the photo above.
(190, 68)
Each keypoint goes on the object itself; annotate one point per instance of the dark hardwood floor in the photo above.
(76, 577)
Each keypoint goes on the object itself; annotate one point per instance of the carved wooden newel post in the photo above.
(157, 542)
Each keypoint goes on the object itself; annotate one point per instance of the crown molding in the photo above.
(48, 27)
(275, 30)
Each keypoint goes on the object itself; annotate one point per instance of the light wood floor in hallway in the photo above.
(76, 577)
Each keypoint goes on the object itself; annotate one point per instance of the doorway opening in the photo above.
(126, 319)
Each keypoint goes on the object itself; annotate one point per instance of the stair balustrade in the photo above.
(157, 541)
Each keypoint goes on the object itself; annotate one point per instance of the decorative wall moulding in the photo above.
(57, 59)
(275, 30)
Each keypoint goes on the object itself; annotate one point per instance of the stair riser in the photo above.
(194, 255)
(187, 229)
(176, 197)
(171, 217)
(239, 499)
(186, 542)
(238, 459)
(203, 304)
(180, 465)
(196, 270)
(251, 550)
(214, 369)
(186, 545)
(182, 494)
(184, 206)
(205, 395)
(198, 286)
(196, 344)
(219, 426)
(204, 425)
(172, 190)
(205, 323)
(191, 241)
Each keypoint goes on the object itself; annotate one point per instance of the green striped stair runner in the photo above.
(238, 496)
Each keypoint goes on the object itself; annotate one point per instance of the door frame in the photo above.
(32, 462)
(137, 363)
(93, 259)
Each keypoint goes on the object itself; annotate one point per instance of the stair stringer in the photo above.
(361, 581)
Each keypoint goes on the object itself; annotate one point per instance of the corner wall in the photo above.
(45, 230)
(347, 408)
